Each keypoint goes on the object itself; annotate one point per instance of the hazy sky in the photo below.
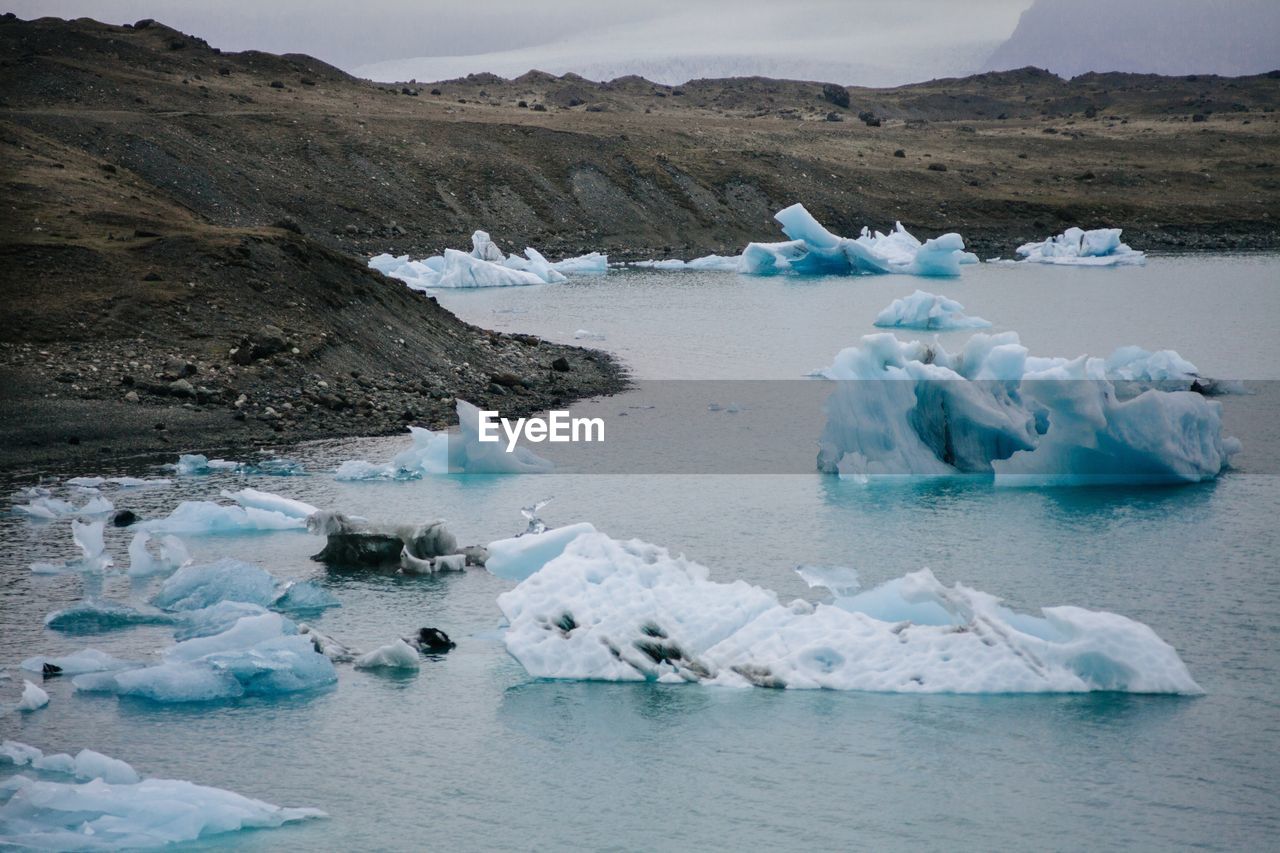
(915, 38)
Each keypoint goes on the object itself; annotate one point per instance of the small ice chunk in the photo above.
(94, 557)
(140, 483)
(199, 518)
(194, 587)
(397, 655)
(587, 335)
(86, 482)
(326, 645)
(929, 311)
(173, 555)
(33, 698)
(303, 595)
(197, 463)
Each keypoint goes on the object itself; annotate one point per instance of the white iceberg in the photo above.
(198, 518)
(629, 611)
(173, 555)
(397, 655)
(1100, 247)
(927, 311)
(485, 266)
(712, 263)
(440, 452)
(813, 250)
(913, 409)
(520, 556)
(254, 499)
(33, 698)
(45, 508)
(197, 463)
(93, 551)
(116, 809)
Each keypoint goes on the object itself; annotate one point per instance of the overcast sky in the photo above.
(908, 39)
(860, 42)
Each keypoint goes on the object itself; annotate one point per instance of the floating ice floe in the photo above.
(713, 263)
(94, 557)
(113, 808)
(192, 464)
(587, 335)
(254, 499)
(97, 617)
(45, 508)
(77, 663)
(173, 555)
(520, 556)
(485, 266)
(629, 611)
(260, 654)
(1100, 247)
(228, 580)
(927, 311)
(33, 698)
(199, 518)
(992, 409)
(439, 452)
(813, 250)
(397, 655)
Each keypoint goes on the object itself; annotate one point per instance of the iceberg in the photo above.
(33, 698)
(94, 557)
(519, 557)
(711, 263)
(197, 463)
(927, 311)
(140, 483)
(254, 499)
(813, 250)
(397, 655)
(97, 617)
(913, 409)
(1100, 247)
(303, 595)
(485, 266)
(200, 586)
(78, 663)
(173, 555)
(629, 611)
(113, 808)
(45, 508)
(214, 619)
(200, 518)
(259, 654)
(439, 452)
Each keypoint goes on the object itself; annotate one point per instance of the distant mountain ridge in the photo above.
(1172, 37)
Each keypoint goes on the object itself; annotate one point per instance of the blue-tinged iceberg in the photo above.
(199, 518)
(629, 611)
(927, 311)
(913, 409)
(485, 266)
(441, 452)
(813, 250)
(1100, 247)
(101, 803)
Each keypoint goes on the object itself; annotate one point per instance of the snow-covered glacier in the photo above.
(1100, 247)
(927, 311)
(485, 266)
(913, 409)
(813, 250)
(94, 802)
(440, 452)
(609, 610)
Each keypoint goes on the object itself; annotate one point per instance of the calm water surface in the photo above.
(472, 754)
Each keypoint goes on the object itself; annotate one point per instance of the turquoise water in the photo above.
(472, 754)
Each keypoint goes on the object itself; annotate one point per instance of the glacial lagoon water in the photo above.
(470, 753)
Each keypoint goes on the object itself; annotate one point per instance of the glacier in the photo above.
(110, 806)
(1100, 247)
(813, 250)
(439, 452)
(485, 266)
(913, 409)
(927, 311)
(611, 610)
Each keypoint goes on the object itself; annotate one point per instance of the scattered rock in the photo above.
(900, 153)
(276, 84)
(837, 95)
(561, 365)
(937, 167)
(123, 518)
